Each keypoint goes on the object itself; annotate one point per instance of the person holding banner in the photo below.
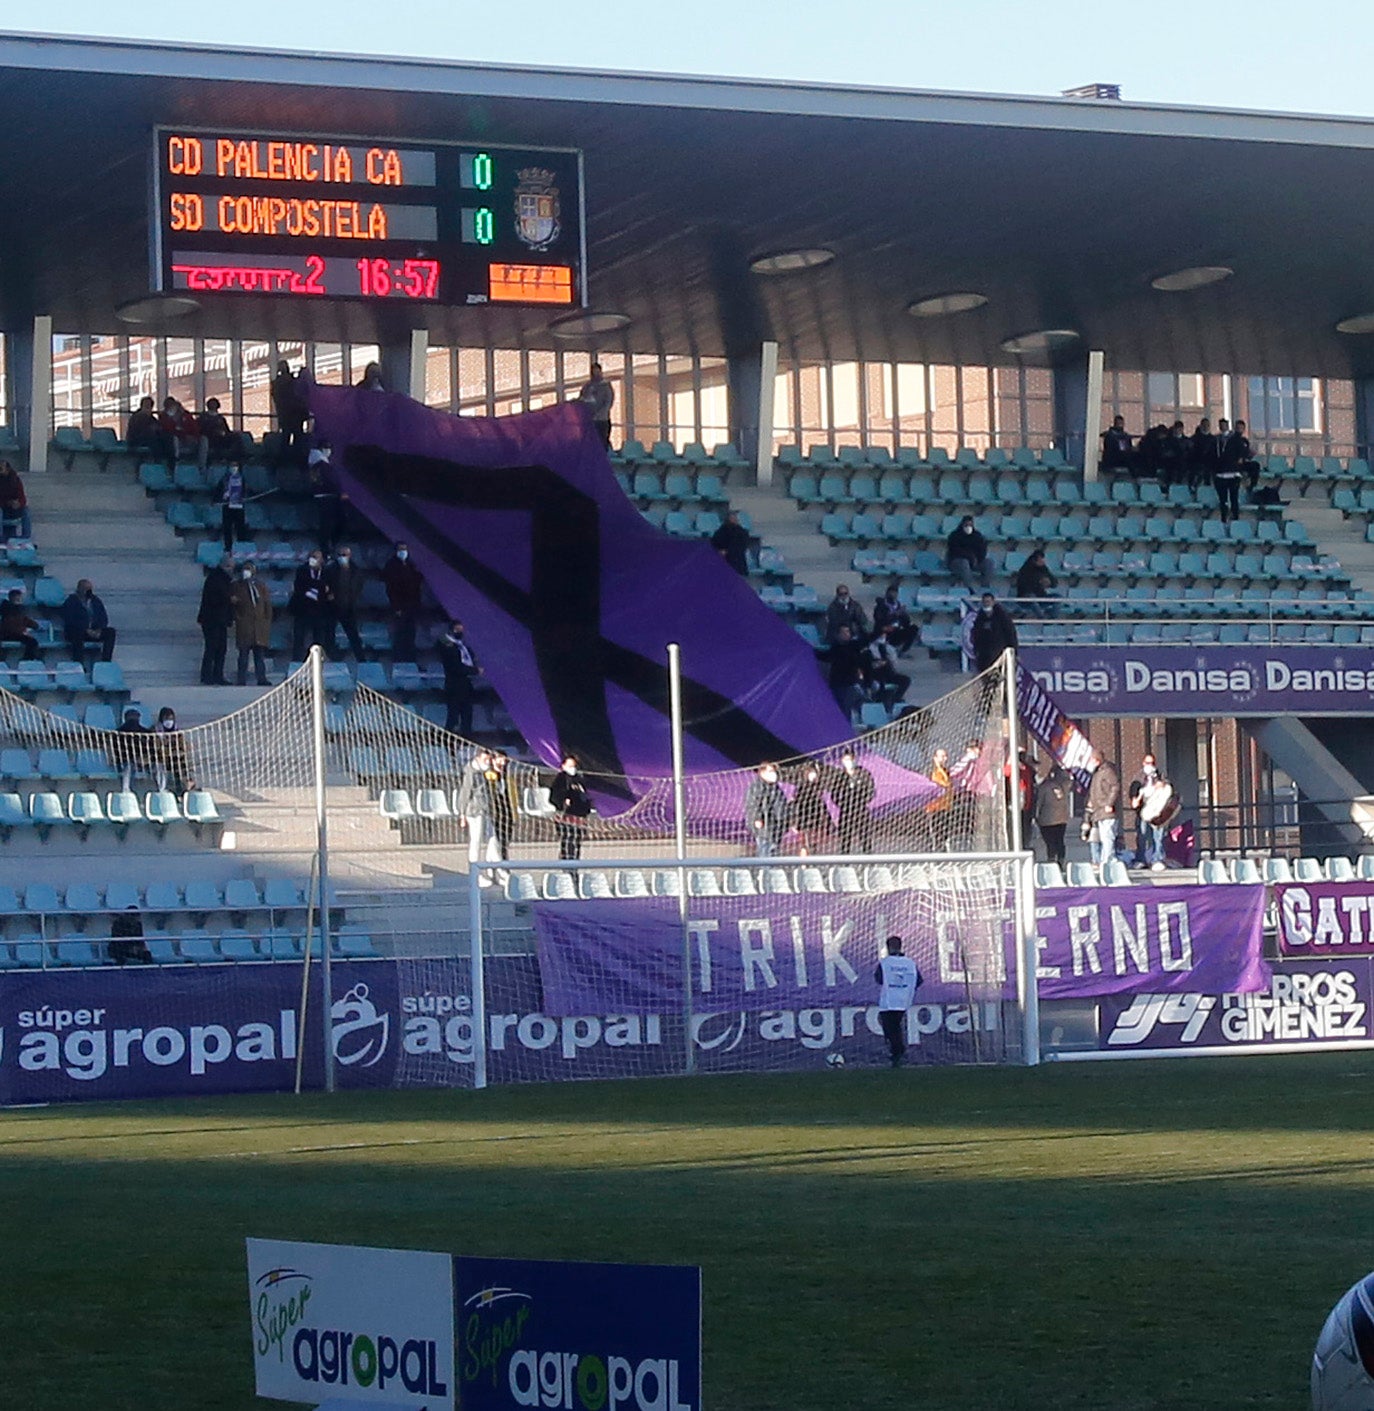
(898, 979)
(1102, 820)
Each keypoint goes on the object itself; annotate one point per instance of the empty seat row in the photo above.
(590, 884)
(724, 457)
(189, 947)
(239, 894)
(911, 457)
(683, 487)
(33, 677)
(44, 811)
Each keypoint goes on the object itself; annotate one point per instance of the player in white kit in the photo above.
(898, 980)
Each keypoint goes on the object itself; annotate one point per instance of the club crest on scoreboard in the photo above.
(537, 208)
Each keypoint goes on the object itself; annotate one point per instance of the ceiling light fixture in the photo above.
(791, 261)
(1197, 277)
(157, 308)
(588, 324)
(938, 305)
(1041, 340)
(1361, 323)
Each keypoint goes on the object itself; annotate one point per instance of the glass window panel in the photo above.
(543, 374)
(255, 377)
(5, 409)
(329, 364)
(715, 402)
(613, 370)
(844, 391)
(783, 428)
(438, 378)
(472, 382)
(68, 385)
(181, 380)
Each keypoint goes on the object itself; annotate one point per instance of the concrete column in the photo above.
(1070, 406)
(1179, 761)
(751, 379)
(1364, 415)
(40, 393)
(395, 357)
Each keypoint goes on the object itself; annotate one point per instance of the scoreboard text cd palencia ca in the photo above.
(354, 218)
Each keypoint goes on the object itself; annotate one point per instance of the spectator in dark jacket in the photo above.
(289, 405)
(891, 612)
(1052, 796)
(966, 554)
(18, 625)
(993, 632)
(766, 811)
(853, 791)
(14, 504)
(85, 621)
(145, 434)
(215, 618)
(1202, 455)
(731, 542)
(1117, 451)
(127, 946)
(344, 579)
(1172, 455)
(232, 496)
(1102, 814)
(403, 583)
(845, 611)
(460, 673)
(310, 607)
(1034, 579)
(848, 671)
(216, 436)
(573, 805)
(184, 429)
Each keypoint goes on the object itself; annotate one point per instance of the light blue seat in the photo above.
(46, 811)
(395, 805)
(83, 808)
(802, 487)
(16, 764)
(154, 477)
(1114, 873)
(238, 945)
(161, 807)
(92, 764)
(99, 717)
(863, 489)
(108, 676)
(282, 894)
(203, 896)
(432, 804)
(198, 948)
(353, 941)
(81, 899)
(123, 808)
(162, 897)
(74, 953)
(241, 894)
(199, 807)
(40, 898)
(57, 764)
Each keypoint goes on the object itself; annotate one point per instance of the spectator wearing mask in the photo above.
(1052, 798)
(1034, 579)
(1117, 450)
(252, 624)
(184, 429)
(310, 607)
(216, 439)
(232, 495)
(403, 584)
(146, 436)
(502, 808)
(731, 542)
(1102, 813)
(289, 405)
(344, 581)
(766, 811)
(853, 791)
(327, 495)
(460, 673)
(848, 671)
(85, 623)
(1202, 455)
(890, 615)
(966, 554)
(810, 816)
(169, 753)
(993, 632)
(474, 808)
(1152, 798)
(1172, 456)
(845, 611)
(573, 805)
(133, 751)
(215, 617)
(18, 625)
(14, 505)
(885, 682)
(598, 396)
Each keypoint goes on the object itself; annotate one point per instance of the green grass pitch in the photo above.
(1115, 1237)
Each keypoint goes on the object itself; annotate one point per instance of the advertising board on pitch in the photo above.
(345, 1325)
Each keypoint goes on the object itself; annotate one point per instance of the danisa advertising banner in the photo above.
(1210, 680)
(1326, 920)
(352, 1326)
(1304, 1003)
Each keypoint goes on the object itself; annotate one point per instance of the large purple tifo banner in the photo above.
(753, 953)
(570, 596)
(1205, 680)
(1325, 920)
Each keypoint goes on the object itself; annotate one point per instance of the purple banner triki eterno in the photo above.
(570, 597)
(756, 953)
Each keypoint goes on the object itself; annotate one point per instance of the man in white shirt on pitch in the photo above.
(898, 980)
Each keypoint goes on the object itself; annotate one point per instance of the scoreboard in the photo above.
(351, 218)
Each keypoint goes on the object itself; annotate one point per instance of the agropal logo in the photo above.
(360, 1031)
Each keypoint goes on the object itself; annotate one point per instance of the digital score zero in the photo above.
(351, 218)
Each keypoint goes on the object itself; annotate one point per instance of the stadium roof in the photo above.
(1060, 211)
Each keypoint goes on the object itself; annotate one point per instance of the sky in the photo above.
(1311, 57)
